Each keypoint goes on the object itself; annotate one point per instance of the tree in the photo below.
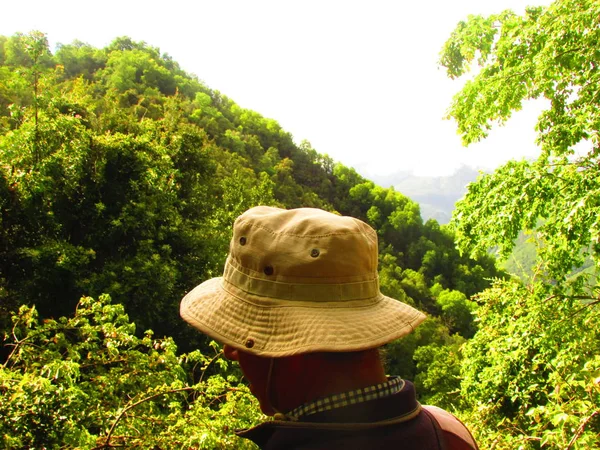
(80, 59)
(432, 358)
(531, 372)
(549, 53)
(31, 50)
(457, 311)
(88, 382)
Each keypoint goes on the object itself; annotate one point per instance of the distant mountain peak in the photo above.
(436, 195)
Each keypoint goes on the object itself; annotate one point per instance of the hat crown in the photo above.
(299, 281)
(304, 245)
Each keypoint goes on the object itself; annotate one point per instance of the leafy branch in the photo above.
(133, 405)
(581, 428)
(210, 363)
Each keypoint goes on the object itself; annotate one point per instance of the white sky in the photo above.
(358, 79)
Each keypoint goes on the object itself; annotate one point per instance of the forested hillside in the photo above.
(120, 178)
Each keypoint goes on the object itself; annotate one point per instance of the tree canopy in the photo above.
(531, 377)
(549, 53)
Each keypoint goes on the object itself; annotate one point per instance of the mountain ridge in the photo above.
(436, 195)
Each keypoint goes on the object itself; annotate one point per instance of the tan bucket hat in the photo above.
(298, 281)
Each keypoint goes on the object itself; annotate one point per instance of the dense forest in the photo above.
(120, 178)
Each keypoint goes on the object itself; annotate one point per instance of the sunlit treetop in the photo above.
(551, 53)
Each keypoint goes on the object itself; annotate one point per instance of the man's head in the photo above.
(298, 282)
(281, 384)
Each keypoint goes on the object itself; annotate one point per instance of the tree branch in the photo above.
(210, 363)
(581, 428)
(133, 405)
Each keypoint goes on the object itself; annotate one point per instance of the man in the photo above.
(299, 308)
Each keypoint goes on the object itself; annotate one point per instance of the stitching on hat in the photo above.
(262, 227)
(291, 347)
(310, 292)
(348, 304)
(339, 304)
(286, 346)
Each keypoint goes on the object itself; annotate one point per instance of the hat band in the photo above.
(307, 292)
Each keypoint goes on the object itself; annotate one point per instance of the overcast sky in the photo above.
(358, 79)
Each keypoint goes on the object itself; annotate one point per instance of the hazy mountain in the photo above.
(435, 195)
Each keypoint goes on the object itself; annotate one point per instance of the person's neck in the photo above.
(312, 376)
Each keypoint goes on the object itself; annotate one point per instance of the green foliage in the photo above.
(122, 174)
(531, 372)
(391, 279)
(80, 60)
(438, 373)
(130, 211)
(517, 195)
(457, 311)
(545, 54)
(432, 357)
(27, 50)
(521, 261)
(89, 382)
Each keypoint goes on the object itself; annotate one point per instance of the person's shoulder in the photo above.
(456, 434)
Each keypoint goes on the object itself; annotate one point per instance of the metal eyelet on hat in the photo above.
(315, 252)
(268, 270)
(249, 343)
(242, 240)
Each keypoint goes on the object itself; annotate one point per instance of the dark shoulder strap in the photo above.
(451, 426)
(439, 434)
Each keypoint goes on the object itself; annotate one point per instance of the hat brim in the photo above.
(272, 328)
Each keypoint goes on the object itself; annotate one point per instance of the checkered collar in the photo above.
(390, 387)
